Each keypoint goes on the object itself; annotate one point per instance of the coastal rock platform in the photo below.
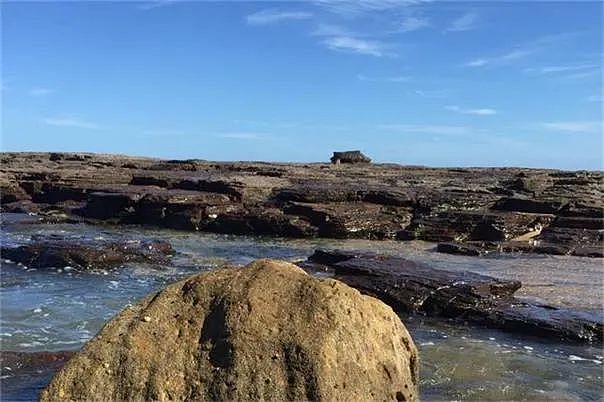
(468, 210)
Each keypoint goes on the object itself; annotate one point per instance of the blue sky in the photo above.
(431, 83)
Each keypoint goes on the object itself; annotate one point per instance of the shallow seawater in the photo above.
(60, 309)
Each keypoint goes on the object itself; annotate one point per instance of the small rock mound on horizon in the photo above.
(267, 331)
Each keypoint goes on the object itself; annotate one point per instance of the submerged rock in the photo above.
(102, 255)
(267, 331)
(416, 288)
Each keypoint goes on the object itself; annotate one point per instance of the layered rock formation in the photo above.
(488, 209)
(267, 331)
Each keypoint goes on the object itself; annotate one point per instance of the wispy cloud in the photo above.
(476, 63)
(578, 127)
(156, 4)
(70, 122)
(433, 93)
(243, 135)
(349, 44)
(523, 50)
(351, 8)
(410, 24)
(477, 112)
(40, 92)
(594, 72)
(272, 16)
(331, 30)
(559, 69)
(466, 22)
(427, 129)
(400, 79)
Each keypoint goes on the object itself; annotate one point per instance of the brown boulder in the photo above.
(267, 331)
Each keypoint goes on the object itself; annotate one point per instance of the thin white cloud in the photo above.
(427, 129)
(331, 30)
(156, 4)
(37, 92)
(410, 24)
(523, 50)
(433, 94)
(352, 8)
(70, 122)
(517, 54)
(476, 63)
(466, 22)
(242, 135)
(578, 127)
(349, 44)
(594, 72)
(477, 112)
(399, 79)
(560, 69)
(271, 16)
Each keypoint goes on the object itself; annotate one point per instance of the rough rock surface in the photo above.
(415, 288)
(267, 331)
(81, 255)
(494, 209)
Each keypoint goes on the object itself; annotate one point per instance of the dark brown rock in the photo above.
(460, 249)
(415, 288)
(59, 254)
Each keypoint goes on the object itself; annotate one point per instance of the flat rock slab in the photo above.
(415, 288)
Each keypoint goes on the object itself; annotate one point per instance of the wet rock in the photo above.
(460, 249)
(267, 331)
(415, 288)
(25, 374)
(22, 207)
(12, 362)
(101, 255)
(597, 252)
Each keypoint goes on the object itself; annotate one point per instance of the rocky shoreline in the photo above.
(469, 211)
(463, 297)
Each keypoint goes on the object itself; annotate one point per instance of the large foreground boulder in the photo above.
(267, 331)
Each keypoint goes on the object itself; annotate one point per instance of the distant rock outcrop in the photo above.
(349, 157)
(267, 331)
